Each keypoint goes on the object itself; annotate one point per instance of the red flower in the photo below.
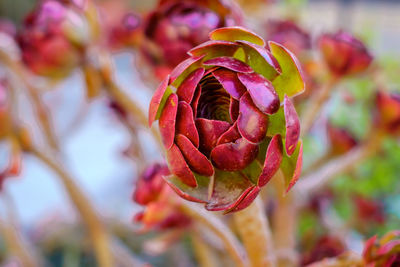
(341, 140)
(369, 209)
(326, 247)
(222, 122)
(344, 54)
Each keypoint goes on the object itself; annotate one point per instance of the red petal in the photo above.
(209, 132)
(195, 100)
(156, 100)
(252, 123)
(272, 161)
(229, 63)
(180, 192)
(186, 90)
(229, 80)
(231, 135)
(167, 121)
(185, 123)
(261, 91)
(196, 160)
(234, 156)
(292, 126)
(179, 167)
(245, 200)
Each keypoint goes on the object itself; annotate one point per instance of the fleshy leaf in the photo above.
(291, 166)
(229, 63)
(184, 69)
(213, 49)
(196, 160)
(158, 101)
(260, 60)
(167, 121)
(187, 88)
(228, 187)
(178, 166)
(252, 123)
(261, 91)
(245, 200)
(231, 135)
(229, 80)
(235, 34)
(209, 133)
(197, 194)
(292, 126)
(277, 123)
(272, 161)
(185, 123)
(234, 156)
(290, 82)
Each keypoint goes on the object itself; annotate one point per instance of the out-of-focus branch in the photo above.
(97, 232)
(209, 220)
(40, 109)
(339, 165)
(284, 221)
(315, 105)
(253, 228)
(203, 252)
(347, 259)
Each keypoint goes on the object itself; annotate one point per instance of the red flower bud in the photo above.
(341, 140)
(387, 113)
(344, 54)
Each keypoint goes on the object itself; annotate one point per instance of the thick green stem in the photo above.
(254, 230)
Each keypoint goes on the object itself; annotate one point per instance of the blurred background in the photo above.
(93, 140)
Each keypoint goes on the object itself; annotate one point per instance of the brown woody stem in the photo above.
(315, 104)
(97, 232)
(232, 245)
(254, 230)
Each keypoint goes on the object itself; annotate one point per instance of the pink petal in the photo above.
(272, 161)
(186, 90)
(292, 126)
(252, 123)
(261, 91)
(234, 156)
(156, 100)
(229, 63)
(179, 167)
(185, 123)
(196, 160)
(209, 132)
(231, 135)
(167, 121)
(229, 80)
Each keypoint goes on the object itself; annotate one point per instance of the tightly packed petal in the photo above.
(344, 54)
(175, 27)
(215, 114)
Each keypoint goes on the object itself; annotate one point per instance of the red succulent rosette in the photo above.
(226, 119)
(127, 32)
(161, 205)
(53, 37)
(344, 54)
(384, 252)
(340, 139)
(175, 27)
(327, 246)
(387, 113)
(290, 35)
